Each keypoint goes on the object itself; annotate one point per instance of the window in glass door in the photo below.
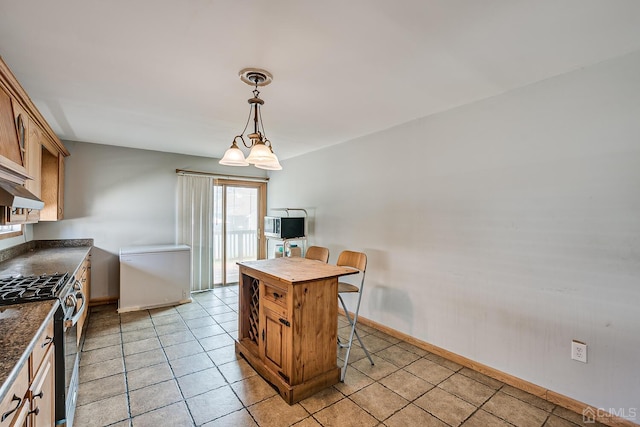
(238, 212)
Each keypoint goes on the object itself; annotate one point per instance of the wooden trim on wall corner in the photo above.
(546, 394)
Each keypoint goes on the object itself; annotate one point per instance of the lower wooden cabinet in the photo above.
(42, 379)
(22, 417)
(30, 401)
(85, 281)
(42, 392)
(16, 405)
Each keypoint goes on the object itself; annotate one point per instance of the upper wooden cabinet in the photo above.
(30, 153)
(33, 157)
(10, 146)
(52, 185)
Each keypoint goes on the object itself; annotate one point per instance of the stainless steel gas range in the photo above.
(24, 289)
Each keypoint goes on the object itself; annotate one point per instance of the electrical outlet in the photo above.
(579, 351)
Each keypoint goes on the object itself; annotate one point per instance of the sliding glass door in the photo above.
(238, 209)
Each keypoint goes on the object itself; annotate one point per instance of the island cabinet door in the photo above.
(275, 343)
(276, 338)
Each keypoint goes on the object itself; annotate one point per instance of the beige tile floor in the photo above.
(177, 366)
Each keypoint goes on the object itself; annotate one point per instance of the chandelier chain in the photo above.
(264, 133)
(246, 125)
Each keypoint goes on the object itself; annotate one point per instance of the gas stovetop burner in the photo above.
(19, 289)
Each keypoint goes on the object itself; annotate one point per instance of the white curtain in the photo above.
(195, 226)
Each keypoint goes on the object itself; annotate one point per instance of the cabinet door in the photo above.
(22, 416)
(42, 392)
(33, 149)
(22, 127)
(60, 187)
(276, 341)
(10, 148)
(43, 343)
(16, 401)
(85, 280)
(52, 184)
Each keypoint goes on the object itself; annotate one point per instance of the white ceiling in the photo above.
(163, 74)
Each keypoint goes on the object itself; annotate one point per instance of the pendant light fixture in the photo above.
(261, 151)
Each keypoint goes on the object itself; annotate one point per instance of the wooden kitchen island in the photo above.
(288, 314)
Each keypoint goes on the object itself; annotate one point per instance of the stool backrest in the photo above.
(318, 253)
(353, 259)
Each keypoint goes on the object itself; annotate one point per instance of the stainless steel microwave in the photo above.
(285, 227)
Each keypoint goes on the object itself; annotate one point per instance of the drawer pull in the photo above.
(277, 295)
(285, 322)
(48, 340)
(6, 414)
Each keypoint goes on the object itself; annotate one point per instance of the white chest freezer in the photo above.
(154, 276)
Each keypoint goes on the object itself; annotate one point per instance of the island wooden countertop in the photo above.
(296, 270)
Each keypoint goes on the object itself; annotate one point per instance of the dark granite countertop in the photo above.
(20, 326)
(45, 261)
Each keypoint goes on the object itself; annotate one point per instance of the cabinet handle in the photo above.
(285, 322)
(48, 340)
(35, 411)
(38, 395)
(6, 414)
(277, 295)
(263, 335)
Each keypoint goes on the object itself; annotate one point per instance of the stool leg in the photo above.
(353, 332)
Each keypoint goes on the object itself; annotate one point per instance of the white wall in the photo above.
(500, 230)
(121, 197)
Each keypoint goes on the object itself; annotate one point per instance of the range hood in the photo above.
(16, 196)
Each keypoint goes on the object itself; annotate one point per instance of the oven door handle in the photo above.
(69, 323)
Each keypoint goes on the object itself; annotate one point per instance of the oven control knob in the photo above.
(77, 286)
(70, 301)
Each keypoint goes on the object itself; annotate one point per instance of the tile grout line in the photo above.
(478, 408)
(126, 377)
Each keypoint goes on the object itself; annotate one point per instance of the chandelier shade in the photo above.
(271, 165)
(234, 156)
(261, 153)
